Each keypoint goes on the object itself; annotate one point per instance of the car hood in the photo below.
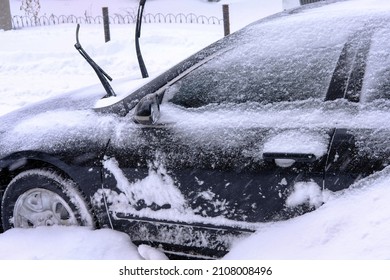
(62, 122)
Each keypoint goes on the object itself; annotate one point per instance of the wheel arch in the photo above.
(16, 163)
(19, 162)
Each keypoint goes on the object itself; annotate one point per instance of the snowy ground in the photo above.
(37, 63)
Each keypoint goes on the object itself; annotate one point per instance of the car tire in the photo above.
(40, 197)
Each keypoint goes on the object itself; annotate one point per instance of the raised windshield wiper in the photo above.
(141, 62)
(103, 76)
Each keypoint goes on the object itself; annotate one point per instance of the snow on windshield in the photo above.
(125, 90)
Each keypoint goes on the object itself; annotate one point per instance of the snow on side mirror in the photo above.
(147, 110)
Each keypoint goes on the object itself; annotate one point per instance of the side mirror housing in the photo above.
(147, 111)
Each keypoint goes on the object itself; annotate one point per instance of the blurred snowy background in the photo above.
(41, 62)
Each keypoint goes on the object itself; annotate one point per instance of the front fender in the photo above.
(83, 168)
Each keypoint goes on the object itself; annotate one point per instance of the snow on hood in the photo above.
(61, 120)
(57, 129)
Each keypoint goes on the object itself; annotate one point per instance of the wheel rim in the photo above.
(41, 207)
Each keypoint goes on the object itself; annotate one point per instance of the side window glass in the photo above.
(249, 74)
(376, 84)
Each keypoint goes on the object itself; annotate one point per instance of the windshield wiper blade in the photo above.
(141, 62)
(103, 76)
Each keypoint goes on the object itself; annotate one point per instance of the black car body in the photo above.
(258, 127)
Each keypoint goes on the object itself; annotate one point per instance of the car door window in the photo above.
(268, 65)
(376, 81)
(263, 78)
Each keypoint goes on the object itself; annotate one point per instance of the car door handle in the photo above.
(297, 157)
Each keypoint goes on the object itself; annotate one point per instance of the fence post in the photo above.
(5, 15)
(106, 24)
(226, 19)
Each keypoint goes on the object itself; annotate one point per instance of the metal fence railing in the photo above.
(26, 21)
(304, 2)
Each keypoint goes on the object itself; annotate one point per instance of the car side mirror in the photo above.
(147, 110)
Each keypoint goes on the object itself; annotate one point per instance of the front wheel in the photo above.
(43, 198)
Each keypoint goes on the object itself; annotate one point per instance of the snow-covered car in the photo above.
(258, 127)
